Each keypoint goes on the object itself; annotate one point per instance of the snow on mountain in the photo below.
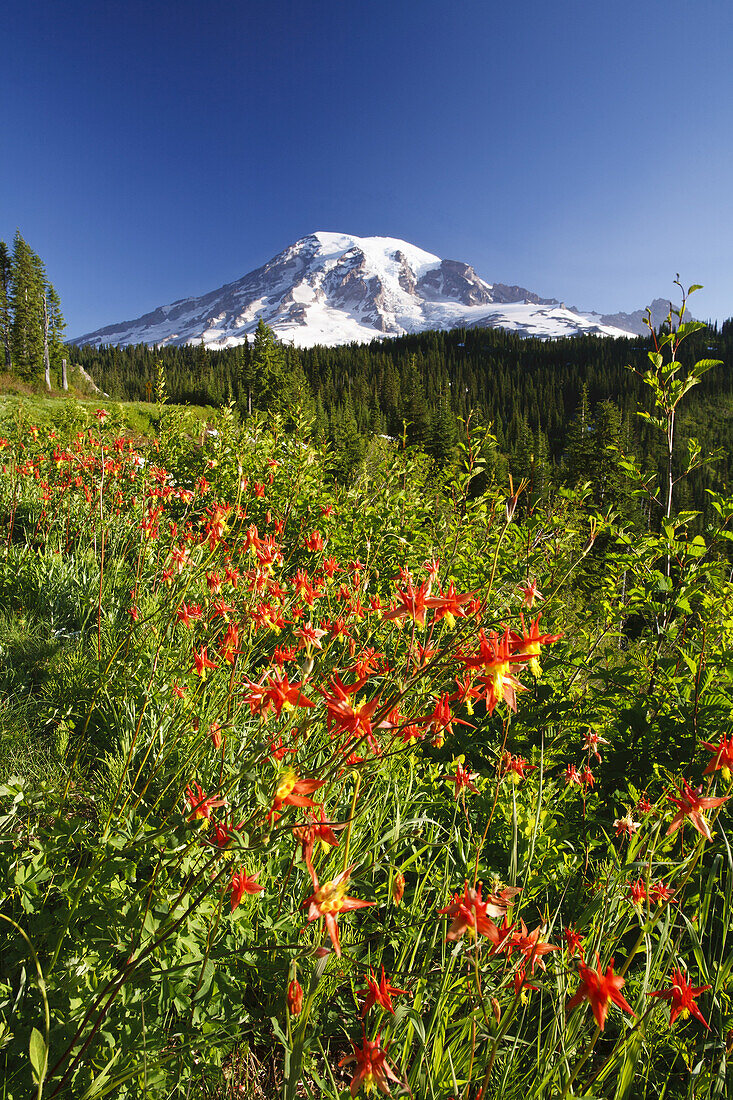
(333, 288)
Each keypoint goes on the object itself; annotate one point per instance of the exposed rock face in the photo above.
(332, 288)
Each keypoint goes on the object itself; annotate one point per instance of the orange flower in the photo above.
(243, 884)
(690, 805)
(470, 912)
(293, 791)
(599, 990)
(372, 1067)
(379, 993)
(682, 998)
(329, 899)
(722, 757)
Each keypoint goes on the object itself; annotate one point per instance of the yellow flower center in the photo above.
(286, 784)
(330, 896)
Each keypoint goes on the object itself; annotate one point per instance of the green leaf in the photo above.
(39, 1055)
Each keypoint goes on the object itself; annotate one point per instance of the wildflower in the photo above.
(295, 998)
(470, 912)
(330, 899)
(187, 612)
(521, 985)
(317, 829)
(527, 645)
(372, 1067)
(293, 791)
(682, 998)
(494, 657)
(314, 542)
(243, 884)
(215, 734)
(660, 893)
(530, 593)
(591, 741)
(448, 606)
(637, 893)
(626, 826)
(531, 945)
(587, 778)
(200, 804)
(644, 806)
(573, 942)
(379, 993)
(515, 766)
(411, 604)
(599, 990)
(463, 778)
(277, 692)
(202, 662)
(722, 757)
(691, 803)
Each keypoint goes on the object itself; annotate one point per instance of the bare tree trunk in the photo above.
(64, 379)
(46, 360)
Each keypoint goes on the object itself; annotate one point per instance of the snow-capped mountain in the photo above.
(333, 288)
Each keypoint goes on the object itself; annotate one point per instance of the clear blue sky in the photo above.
(153, 149)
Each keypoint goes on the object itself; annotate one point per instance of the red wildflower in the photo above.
(690, 805)
(470, 912)
(573, 942)
(531, 945)
(530, 593)
(527, 645)
(637, 894)
(626, 826)
(722, 757)
(599, 990)
(200, 804)
(463, 779)
(202, 662)
(379, 993)
(293, 791)
(243, 884)
(448, 605)
(515, 766)
(411, 604)
(329, 899)
(682, 998)
(372, 1067)
(398, 887)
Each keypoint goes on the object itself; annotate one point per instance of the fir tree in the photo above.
(5, 316)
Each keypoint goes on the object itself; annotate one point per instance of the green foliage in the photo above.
(138, 781)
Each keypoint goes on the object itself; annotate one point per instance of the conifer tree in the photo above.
(5, 316)
(268, 367)
(27, 297)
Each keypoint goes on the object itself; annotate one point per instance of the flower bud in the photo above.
(295, 997)
(398, 887)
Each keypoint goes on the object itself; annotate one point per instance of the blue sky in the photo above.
(153, 150)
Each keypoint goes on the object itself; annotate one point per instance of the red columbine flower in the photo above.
(690, 805)
(573, 942)
(243, 884)
(202, 662)
(495, 657)
(599, 990)
(463, 778)
(682, 998)
(531, 945)
(449, 605)
(329, 899)
(470, 912)
(201, 804)
(398, 887)
(379, 993)
(372, 1067)
(660, 893)
(293, 791)
(722, 757)
(530, 593)
(637, 894)
(412, 603)
(515, 766)
(626, 826)
(527, 645)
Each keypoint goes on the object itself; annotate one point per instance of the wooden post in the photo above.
(64, 380)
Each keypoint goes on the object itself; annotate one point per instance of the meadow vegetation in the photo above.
(414, 781)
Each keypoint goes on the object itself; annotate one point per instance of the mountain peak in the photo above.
(337, 288)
